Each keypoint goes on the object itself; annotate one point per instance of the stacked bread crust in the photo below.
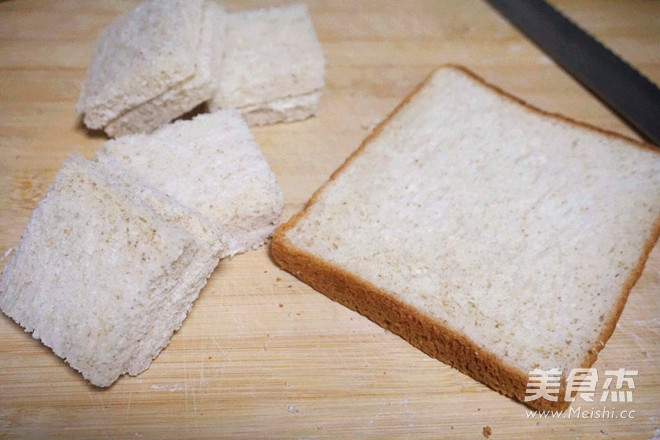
(166, 57)
(119, 248)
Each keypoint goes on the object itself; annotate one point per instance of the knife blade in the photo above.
(626, 91)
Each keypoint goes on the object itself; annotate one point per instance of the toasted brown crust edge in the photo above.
(420, 330)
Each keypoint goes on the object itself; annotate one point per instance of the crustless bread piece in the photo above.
(152, 50)
(185, 96)
(210, 164)
(273, 67)
(491, 235)
(107, 270)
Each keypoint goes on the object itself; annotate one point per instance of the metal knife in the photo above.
(631, 95)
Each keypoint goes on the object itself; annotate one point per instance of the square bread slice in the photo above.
(273, 67)
(487, 233)
(210, 164)
(139, 56)
(184, 96)
(107, 270)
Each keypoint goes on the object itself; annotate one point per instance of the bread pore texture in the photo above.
(152, 50)
(212, 165)
(489, 234)
(107, 270)
(273, 67)
(184, 96)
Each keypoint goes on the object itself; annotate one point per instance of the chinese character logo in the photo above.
(622, 377)
(583, 382)
(543, 384)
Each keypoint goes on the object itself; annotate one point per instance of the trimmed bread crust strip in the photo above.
(419, 329)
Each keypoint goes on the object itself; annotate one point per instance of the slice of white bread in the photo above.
(213, 165)
(139, 56)
(107, 270)
(273, 67)
(184, 96)
(489, 234)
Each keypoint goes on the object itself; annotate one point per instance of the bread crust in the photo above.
(419, 329)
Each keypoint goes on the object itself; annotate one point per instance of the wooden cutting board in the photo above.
(262, 355)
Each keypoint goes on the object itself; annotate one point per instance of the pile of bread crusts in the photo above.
(117, 251)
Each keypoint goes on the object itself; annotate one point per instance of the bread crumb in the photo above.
(604, 432)
(292, 409)
(278, 279)
(486, 431)
(281, 305)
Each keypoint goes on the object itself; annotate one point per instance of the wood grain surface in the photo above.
(263, 355)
